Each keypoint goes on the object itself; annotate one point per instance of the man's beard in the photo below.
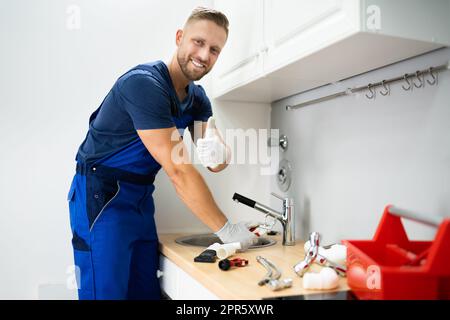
(189, 74)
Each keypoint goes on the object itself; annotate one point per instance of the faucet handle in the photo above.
(277, 196)
(286, 200)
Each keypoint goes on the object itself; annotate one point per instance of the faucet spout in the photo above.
(286, 218)
(266, 210)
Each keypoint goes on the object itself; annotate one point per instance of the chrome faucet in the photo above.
(286, 217)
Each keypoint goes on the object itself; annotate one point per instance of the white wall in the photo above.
(352, 156)
(173, 216)
(52, 78)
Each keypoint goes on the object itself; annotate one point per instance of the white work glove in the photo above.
(258, 228)
(211, 149)
(239, 232)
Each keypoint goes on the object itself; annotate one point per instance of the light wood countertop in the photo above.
(242, 282)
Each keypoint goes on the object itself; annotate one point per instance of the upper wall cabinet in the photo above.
(278, 48)
(241, 61)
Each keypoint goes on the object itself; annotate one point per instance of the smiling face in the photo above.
(199, 46)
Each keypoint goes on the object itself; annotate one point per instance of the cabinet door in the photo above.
(169, 280)
(296, 28)
(240, 61)
(179, 285)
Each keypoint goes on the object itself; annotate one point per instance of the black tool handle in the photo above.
(244, 200)
(206, 256)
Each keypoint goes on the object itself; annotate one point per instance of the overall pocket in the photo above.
(72, 204)
(101, 192)
(78, 221)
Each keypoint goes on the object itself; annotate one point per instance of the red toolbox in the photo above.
(392, 267)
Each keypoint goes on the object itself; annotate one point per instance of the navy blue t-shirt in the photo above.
(142, 98)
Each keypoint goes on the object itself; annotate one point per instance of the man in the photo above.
(131, 136)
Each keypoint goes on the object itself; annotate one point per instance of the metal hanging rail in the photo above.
(418, 76)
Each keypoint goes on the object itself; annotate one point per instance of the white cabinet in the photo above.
(300, 27)
(241, 62)
(179, 285)
(304, 44)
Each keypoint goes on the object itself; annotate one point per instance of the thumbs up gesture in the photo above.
(211, 150)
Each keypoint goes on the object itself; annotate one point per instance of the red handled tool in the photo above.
(226, 264)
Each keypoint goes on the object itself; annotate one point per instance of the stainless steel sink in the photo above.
(207, 239)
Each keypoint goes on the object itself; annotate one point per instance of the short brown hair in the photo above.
(203, 13)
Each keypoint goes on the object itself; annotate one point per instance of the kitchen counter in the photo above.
(242, 283)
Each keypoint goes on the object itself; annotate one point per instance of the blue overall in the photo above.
(111, 208)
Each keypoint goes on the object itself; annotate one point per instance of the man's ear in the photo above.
(178, 37)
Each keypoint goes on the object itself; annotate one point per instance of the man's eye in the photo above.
(198, 42)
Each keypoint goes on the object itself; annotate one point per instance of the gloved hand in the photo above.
(211, 149)
(237, 233)
(258, 228)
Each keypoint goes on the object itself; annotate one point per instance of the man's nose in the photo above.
(203, 54)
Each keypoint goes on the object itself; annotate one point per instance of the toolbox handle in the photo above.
(433, 221)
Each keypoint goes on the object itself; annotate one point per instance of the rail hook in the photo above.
(407, 81)
(430, 71)
(421, 84)
(387, 88)
(372, 96)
